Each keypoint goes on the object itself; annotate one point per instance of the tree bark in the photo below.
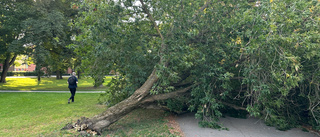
(78, 73)
(140, 97)
(58, 74)
(61, 72)
(6, 65)
(114, 113)
(38, 70)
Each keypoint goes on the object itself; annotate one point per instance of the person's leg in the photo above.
(70, 96)
(73, 93)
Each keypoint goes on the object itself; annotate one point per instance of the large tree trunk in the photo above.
(6, 65)
(58, 74)
(78, 73)
(119, 110)
(140, 97)
(61, 74)
(38, 70)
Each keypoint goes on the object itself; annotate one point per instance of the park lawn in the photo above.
(142, 123)
(50, 84)
(38, 114)
(44, 114)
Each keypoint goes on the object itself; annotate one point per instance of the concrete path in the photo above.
(52, 76)
(11, 91)
(251, 127)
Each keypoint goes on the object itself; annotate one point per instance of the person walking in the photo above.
(72, 81)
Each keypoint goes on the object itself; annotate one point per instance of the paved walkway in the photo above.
(250, 127)
(33, 76)
(11, 91)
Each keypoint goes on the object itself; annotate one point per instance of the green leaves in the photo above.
(257, 56)
(48, 32)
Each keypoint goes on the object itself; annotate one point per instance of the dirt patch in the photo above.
(174, 126)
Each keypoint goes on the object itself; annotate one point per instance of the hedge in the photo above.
(26, 73)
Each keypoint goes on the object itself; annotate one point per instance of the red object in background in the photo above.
(31, 67)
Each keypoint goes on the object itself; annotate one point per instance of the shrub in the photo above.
(25, 73)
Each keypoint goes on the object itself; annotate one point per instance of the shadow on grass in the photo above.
(49, 84)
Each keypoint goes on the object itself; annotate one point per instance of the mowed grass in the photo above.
(44, 114)
(50, 84)
(39, 114)
(142, 123)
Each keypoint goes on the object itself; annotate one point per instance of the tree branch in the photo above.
(208, 2)
(233, 106)
(145, 9)
(167, 95)
(163, 45)
(13, 59)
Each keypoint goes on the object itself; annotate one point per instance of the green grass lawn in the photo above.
(44, 114)
(37, 114)
(50, 84)
(141, 123)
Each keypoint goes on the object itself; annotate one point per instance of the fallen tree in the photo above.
(140, 97)
(251, 56)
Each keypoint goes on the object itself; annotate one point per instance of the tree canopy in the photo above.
(12, 14)
(39, 29)
(50, 34)
(257, 56)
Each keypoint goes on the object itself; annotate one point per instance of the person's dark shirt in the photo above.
(73, 85)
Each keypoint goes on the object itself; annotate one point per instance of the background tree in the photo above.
(210, 56)
(12, 13)
(97, 68)
(50, 33)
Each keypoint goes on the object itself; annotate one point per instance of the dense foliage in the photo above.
(49, 34)
(258, 56)
(21, 73)
(12, 14)
(39, 29)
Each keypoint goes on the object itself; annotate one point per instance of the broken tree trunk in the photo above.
(140, 97)
(114, 113)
